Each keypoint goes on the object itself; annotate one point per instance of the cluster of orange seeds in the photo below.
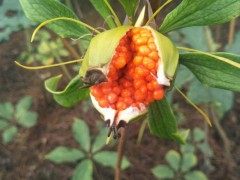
(132, 73)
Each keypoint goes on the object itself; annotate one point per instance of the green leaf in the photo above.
(71, 95)
(101, 7)
(84, 170)
(6, 110)
(28, 119)
(196, 175)
(200, 13)
(81, 134)
(42, 10)
(198, 135)
(129, 6)
(213, 72)
(162, 171)
(221, 98)
(184, 76)
(162, 122)
(109, 159)
(187, 148)
(9, 134)
(173, 158)
(24, 103)
(64, 154)
(100, 140)
(3, 124)
(205, 149)
(198, 37)
(189, 160)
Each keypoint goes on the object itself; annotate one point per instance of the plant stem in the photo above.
(231, 31)
(157, 11)
(116, 19)
(141, 131)
(63, 66)
(226, 142)
(120, 155)
(71, 49)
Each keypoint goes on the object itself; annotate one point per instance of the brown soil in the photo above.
(24, 158)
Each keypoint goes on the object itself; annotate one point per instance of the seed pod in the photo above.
(138, 63)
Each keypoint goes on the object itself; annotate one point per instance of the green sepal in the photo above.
(102, 48)
(168, 53)
(71, 95)
(162, 122)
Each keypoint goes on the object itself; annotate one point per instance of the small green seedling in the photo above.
(12, 117)
(179, 167)
(88, 154)
(196, 141)
(12, 19)
(47, 51)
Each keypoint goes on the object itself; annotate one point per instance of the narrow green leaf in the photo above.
(200, 13)
(196, 175)
(173, 158)
(100, 140)
(189, 160)
(162, 171)
(3, 124)
(6, 110)
(129, 6)
(213, 72)
(71, 95)
(81, 134)
(84, 171)
(64, 154)
(9, 134)
(103, 10)
(28, 119)
(42, 10)
(162, 122)
(109, 159)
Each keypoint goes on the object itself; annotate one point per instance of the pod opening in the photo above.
(131, 79)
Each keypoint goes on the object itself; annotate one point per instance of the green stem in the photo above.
(59, 60)
(157, 11)
(116, 19)
(195, 106)
(141, 131)
(227, 144)
(48, 66)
